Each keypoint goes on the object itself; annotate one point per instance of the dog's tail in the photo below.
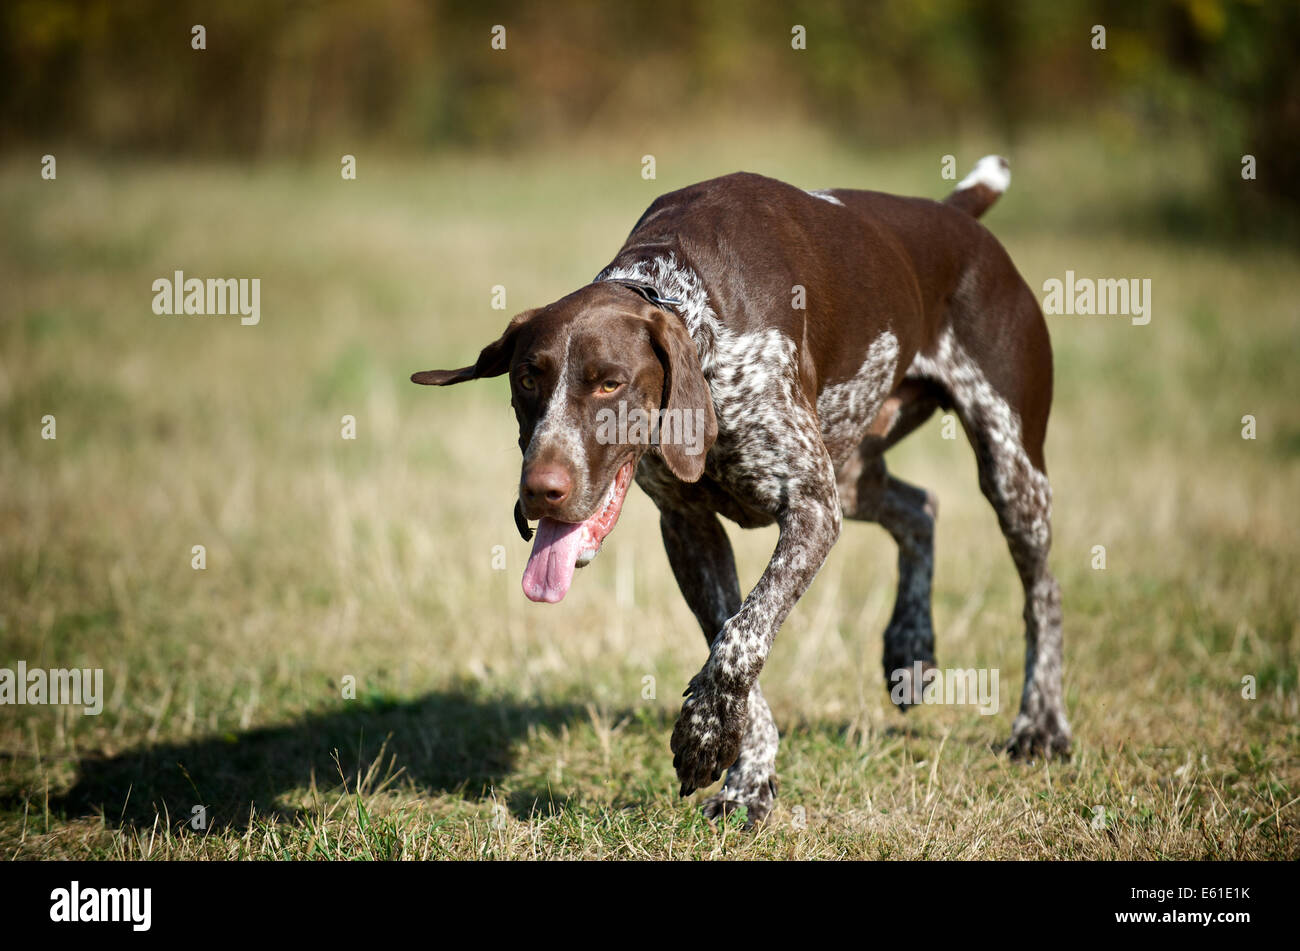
(977, 192)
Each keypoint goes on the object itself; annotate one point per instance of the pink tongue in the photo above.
(554, 559)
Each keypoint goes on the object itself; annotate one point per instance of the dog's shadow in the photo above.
(444, 742)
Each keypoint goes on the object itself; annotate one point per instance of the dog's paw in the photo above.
(1048, 736)
(706, 739)
(757, 801)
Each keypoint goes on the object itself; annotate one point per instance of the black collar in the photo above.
(648, 291)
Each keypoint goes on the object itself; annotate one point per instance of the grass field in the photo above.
(488, 727)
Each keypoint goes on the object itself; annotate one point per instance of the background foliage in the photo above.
(298, 77)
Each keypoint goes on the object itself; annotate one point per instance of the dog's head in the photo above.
(596, 379)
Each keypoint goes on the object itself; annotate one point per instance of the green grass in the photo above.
(488, 727)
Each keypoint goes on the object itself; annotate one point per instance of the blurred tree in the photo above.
(309, 75)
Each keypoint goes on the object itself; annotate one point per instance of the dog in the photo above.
(778, 342)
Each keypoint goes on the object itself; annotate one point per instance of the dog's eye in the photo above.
(528, 382)
(609, 386)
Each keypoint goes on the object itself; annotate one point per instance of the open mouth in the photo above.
(562, 547)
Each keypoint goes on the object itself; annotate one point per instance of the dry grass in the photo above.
(487, 727)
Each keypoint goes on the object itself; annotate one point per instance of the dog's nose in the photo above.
(547, 485)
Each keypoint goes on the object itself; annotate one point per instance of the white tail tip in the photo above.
(991, 171)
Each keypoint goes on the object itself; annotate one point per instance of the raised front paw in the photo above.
(706, 739)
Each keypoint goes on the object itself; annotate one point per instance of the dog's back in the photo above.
(866, 261)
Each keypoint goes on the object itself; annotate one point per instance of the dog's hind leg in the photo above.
(908, 514)
(1006, 421)
(1022, 497)
(869, 493)
(703, 563)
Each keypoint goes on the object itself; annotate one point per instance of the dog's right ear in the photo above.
(492, 361)
(685, 392)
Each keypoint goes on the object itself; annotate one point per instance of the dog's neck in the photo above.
(675, 286)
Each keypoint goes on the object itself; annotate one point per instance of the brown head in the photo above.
(596, 379)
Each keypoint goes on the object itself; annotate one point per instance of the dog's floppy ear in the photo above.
(492, 361)
(689, 427)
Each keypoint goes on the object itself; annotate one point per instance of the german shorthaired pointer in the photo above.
(752, 352)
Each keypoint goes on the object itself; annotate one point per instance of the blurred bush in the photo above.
(297, 77)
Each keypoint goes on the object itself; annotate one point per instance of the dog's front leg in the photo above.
(708, 734)
(702, 561)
